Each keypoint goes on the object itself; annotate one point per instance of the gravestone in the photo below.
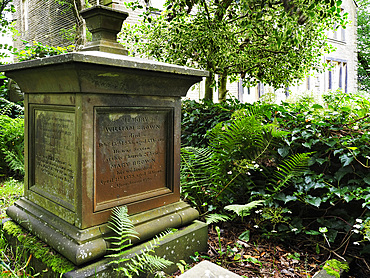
(101, 130)
(206, 269)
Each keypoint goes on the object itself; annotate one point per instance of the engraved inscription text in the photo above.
(130, 153)
(54, 151)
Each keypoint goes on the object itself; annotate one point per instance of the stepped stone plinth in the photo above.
(101, 130)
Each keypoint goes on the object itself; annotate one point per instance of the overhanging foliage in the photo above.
(275, 42)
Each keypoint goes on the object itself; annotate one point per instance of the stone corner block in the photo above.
(206, 269)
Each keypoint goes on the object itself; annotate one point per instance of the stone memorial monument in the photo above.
(101, 130)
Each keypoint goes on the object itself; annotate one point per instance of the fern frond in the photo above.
(145, 262)
(293, 166)
(122, 226)
(215, 218)
(245, 137)
(15, 160)
(198, 173)
(244, 210)
(158, 238)
(196, 164)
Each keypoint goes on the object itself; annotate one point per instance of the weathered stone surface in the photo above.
(83, 245)
(177, 246)
(101, 130)
(131, 153)
(206, 269)
(105, 131)
(104, 24)
(104, 59)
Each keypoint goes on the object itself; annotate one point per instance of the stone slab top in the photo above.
(107, 59)
(206, 269)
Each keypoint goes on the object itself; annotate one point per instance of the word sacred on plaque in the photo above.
(131, 154)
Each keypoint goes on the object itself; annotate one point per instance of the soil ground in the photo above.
(261, 257)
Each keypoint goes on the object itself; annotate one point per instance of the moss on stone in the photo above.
(39, 249)
(334, 267)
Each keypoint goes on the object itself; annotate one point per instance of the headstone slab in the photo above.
(101, 130)
(206, 269)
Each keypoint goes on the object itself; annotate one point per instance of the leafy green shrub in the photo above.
(241, 161)
(332, 192)
(199, 117)
(11, 114)
(8, 107)
(12, 144)
(38, 50)
(6, 6)
(339, 137)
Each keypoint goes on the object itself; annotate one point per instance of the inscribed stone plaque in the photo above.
(131, 154)
(54, 155)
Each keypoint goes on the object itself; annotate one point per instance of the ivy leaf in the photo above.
(342, 172)
(348, 198)
(315, 201)
(317, 106)
(289, 198)
(367, 180)
(307, 144)
(312, 232)
(245, 236)
(280, 196)
(321, 160)
(331, 143)
(336, 191)
(346, 159)
(283, 151)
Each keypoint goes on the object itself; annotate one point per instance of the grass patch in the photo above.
(10, 191)
(15, 258)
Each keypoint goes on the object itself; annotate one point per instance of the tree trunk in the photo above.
(208, 93)
(222, 87)
(77, 6)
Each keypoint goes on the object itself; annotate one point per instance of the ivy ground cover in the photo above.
(308, 163)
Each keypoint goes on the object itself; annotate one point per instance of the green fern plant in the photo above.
(144, 262)
(292, 167)
(211, 175)
(240, 210)
(12, 143)
(216, 217)
(244, 210)
(198, 175)
(245, 137)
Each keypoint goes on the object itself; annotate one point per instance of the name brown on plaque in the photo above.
(131, 155)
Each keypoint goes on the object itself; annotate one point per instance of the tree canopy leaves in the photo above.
(275, 42)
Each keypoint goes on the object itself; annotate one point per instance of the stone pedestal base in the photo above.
(175, 247)
(84, 245)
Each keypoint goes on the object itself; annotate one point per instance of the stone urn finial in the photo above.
(104, 23)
